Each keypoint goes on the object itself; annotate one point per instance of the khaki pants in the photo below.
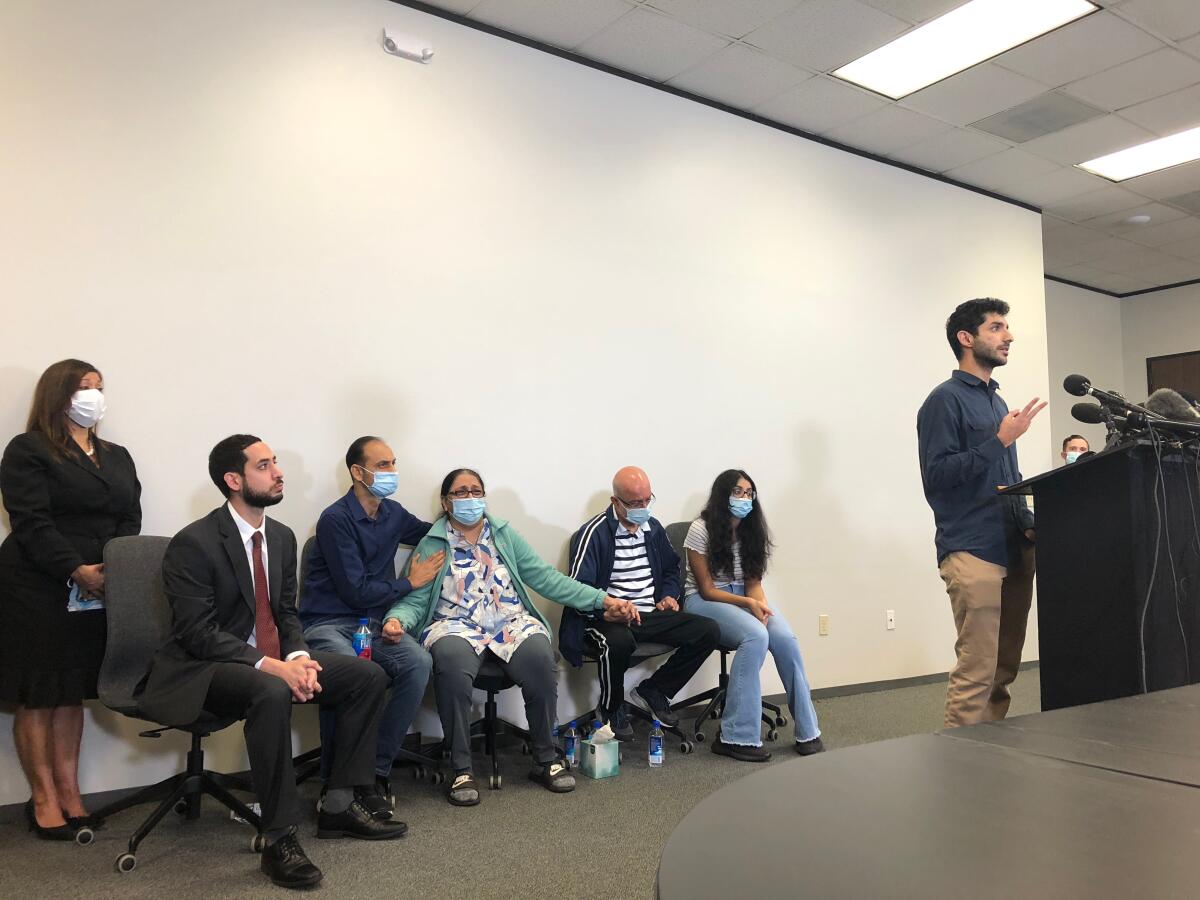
(991, 607)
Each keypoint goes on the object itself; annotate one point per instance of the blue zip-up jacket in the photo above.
(593, 548)
(962, 464)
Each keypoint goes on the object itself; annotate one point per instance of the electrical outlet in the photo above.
(823, 624)
(891, 620)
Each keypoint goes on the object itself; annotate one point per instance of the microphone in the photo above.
(1171, 404)
(1089, 413)
(1080, 386)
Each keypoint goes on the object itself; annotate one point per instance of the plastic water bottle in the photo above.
(571, 742)
(362, 639)
(656, 754)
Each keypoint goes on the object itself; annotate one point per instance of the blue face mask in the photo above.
(740, 507)
(384, 485)
(637, 516)
(468, 510)
(1073, 456)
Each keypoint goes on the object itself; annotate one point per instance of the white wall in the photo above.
(1158, 324)
(251, 218)
(1083, 334)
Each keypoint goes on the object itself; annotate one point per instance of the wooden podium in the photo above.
(1118, 573)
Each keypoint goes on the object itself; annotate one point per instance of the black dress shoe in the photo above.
(91, 820)
(357, 822)
(377, 798)
(286, 864)
(53, 833)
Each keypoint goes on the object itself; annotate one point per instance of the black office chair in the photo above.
(139, 623)
(491, 679)
(308, 763)
(714, 698)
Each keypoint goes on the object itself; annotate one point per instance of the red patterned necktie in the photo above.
(266, 633)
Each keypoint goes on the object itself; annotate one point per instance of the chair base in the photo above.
(183, 793)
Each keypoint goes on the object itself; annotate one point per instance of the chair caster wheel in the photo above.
(716, 713)
(781, 721)
(525, 750)
(495, 782)
(772, 734)
(699, 737)
(126, 862)
(180, 807)
(419, 773)
(686, 747)
(437, 778)
(258, 843)
(84, 836)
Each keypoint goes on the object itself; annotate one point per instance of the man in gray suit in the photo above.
(238, 651)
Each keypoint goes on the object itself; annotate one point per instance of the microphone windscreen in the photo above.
(1171, 404)
(1091, 413)
(1076, 384)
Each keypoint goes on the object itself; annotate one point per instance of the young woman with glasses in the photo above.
(728, 547)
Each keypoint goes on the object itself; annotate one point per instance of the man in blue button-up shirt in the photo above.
(350, 574)
(967, 441)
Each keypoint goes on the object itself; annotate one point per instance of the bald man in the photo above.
(625, 552)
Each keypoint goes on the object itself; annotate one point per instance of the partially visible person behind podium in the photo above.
(967, 442)
(1073, 447)
(67, 493)
(238, 652)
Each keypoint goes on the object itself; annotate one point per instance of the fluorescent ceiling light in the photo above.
(1151, 156)
(958, 40)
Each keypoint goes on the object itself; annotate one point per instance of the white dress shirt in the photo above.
(247, 532)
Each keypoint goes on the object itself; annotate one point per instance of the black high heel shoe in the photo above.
(53, 833)
(91, 820)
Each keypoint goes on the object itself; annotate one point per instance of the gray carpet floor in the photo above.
(603, 841)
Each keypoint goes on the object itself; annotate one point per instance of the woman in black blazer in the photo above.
(67, 494)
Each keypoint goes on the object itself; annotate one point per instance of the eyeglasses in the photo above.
(747, 494)
(464, 493)
(637, 504)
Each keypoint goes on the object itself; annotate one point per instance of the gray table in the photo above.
(935, 816)
(1152, 735)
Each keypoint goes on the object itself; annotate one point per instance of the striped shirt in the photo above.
(631, 577)
(697, 539)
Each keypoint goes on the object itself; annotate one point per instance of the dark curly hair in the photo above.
(754, 538)
(968, 316)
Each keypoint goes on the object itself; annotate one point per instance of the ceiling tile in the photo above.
(740, 76)
(1153, 235)
(1174, 19)
(722, 17)
(891, 128)
(1115, 222)
(1088, 140)
(1191, 45)
(1167, 183)
(1139, 79)
(1071, 236)
(975, 94)
(1082, 48)
(1003, 171)
(1044, 114)
(916, 11)
(1168, 114)
(820, 104)
(1056, 186)
(1188, 249)
(560, 23)
(1108, 199)
(949, 150)
(1107, 281)
(651, 45)
(823, 34)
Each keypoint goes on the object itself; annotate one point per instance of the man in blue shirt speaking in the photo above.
(966, 437)
(350, 574)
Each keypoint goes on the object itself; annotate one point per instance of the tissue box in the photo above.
(600, 760)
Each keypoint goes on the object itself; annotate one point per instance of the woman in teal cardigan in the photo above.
(479, 604)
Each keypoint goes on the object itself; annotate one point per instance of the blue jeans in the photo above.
(741, 723)
(407, 665)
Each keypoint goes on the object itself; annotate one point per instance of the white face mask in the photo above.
(87, 407)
